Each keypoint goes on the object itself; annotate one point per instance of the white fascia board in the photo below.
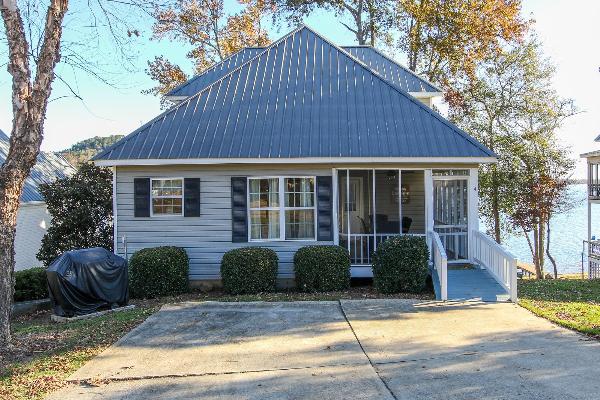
(176, 99)
(590, 154)
(425, 95)
(305, 160)
(35, 203)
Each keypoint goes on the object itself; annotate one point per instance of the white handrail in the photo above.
(440, 263)
(500, 263)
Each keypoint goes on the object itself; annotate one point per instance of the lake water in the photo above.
(568, 231)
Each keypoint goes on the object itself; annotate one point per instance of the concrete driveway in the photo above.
(364, 349)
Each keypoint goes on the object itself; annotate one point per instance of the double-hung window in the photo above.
(277, 202)
(167, 196)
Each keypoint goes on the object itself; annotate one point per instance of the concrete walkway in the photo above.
(371, 349)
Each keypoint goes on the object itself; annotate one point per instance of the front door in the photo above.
(450, 212)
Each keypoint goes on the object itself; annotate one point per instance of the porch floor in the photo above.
(473, 284)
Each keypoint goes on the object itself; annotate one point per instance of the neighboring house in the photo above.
(302, 143)
(593, 181)
(33, 218)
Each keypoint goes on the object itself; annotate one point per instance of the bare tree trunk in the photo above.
(541, 235)
(372, 22)
(552, 260)
(29, 101)
(536, 253)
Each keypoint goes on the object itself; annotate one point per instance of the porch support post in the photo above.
(428, 205)
(334, 213)
(114, 209)
(473, 207)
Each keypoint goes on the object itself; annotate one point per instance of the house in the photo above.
(299, 143)
(33, 218)
(592, 244)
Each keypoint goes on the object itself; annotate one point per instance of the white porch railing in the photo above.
(440, 263)
(501, 264)
(362, 245)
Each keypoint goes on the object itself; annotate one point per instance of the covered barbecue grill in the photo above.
(88, 280)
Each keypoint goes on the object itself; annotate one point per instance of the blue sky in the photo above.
(568, 30)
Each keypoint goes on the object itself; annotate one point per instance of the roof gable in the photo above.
(49, 167)
(301, 97)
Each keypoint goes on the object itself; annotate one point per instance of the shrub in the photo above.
(81, 210)
(159, 271)
(400, 264)
(322, 268)
(30, 284)
(249, 270)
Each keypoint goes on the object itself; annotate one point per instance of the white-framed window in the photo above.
(276, 202)
(166, 196)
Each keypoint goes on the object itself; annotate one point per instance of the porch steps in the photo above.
(472, 285)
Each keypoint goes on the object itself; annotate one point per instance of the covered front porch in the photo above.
(441, 205)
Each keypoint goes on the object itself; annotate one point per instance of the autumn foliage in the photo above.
(212, 35)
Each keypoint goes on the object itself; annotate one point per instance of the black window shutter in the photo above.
(239, 213)
(191, 194)
(324, 208)
(141, 197)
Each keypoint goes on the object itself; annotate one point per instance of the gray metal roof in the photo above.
(49, 167)
(210, 75)
(377, 61)
(391, 70)
(301, 97)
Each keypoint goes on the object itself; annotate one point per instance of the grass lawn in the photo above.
(572, 303)
(46, 353)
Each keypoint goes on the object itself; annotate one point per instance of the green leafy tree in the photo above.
(81, 210)
(512, 107)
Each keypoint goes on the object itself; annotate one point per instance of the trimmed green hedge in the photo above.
(159, 271)
(30, 284)
(322, 268)
(400, 264)
(249, 270)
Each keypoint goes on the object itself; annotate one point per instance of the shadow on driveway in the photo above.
(406, 349)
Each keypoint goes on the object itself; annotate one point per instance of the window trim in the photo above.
(152, 215)
(281, 208)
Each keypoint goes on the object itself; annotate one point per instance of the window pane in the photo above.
(299, 224)
(167, 206)
(167, 187)
(264, 193)
(264, 224)
(300, 192)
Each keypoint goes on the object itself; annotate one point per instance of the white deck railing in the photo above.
(362, 245)
(440, 263)
(500, 263)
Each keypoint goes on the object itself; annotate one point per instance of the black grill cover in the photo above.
(84, 281)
